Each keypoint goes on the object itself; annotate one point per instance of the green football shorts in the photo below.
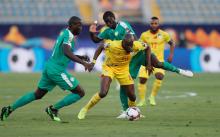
(51, 78)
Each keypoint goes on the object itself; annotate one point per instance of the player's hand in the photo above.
(86, 58)
(150, 69)
(93, 28)
(91, 66)
(170, 58)
(87, 66)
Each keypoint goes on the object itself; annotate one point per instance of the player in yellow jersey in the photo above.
(156, 39)
(118, 55)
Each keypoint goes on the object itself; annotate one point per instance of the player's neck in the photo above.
(154, 32)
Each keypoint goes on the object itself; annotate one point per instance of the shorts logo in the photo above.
(72, 79)
(65, 78)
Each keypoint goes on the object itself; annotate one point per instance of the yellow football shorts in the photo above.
(144, 74)
(123, 77)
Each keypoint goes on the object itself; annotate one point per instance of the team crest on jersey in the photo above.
(116, 33)
(159, 36)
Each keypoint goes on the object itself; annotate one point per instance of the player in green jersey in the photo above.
(55, 73)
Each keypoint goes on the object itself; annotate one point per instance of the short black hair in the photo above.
(73, 20)
(108, 14)
(154, 18)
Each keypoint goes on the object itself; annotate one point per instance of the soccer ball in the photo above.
(133, 113)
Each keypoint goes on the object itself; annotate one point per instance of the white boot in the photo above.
(186, 73)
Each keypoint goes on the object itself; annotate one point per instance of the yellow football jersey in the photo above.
(156, 41)
(116, 56)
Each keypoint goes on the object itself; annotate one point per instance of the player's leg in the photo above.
(105, 84)
(45, 85)
(167, 66)
(66, 82)
(142, 87)
(156, 86)
(131, 94)
(23, 100)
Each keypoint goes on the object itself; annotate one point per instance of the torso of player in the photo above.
(58, 59)
(156, 41)
(117, 57)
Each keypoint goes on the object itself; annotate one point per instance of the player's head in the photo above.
(154, 24)
(109, 19)
(127, 43)
(75, 25)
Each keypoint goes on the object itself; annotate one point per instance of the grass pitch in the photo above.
(186, 108)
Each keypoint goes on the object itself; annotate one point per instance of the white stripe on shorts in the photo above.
(65, 78)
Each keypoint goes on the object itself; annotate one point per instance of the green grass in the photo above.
(177, 113)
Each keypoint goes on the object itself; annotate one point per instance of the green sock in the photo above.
(27, 98)
(123, 98)
(67, 100)
(170, 67)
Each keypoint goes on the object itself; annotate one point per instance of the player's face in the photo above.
(77, 28)
(154, 25)
(127, 45)
(110, 22)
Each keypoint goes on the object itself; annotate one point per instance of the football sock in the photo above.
(131, 103)
(156, 86)
(142, 91)
(123, 98)
(27, 98)
(93, 101)
(170, 67)
(67, 100)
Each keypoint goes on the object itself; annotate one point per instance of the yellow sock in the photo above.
(131, 103)
(93, 101)
(156, 86)
(142, 91)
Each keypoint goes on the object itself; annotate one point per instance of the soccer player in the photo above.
(55, 73)
(119, 64)
(113, 31)
(116, 65)
(156, 39)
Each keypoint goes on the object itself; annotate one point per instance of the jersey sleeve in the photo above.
(103, 33)
(67, 39)
(167, 37)
(143, 38)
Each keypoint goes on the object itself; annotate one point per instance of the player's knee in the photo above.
(82, 93)
(39, 93)
(158, 65)
(159, 76)
(102, 94)
(143, 80)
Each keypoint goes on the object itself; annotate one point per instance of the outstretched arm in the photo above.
(172, 46)
(95, 38)
(68, 53)
(96, 55)
(93, 35)
(98, 51)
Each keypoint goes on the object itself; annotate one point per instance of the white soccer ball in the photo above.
(133, 113)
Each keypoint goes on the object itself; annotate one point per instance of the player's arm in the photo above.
(84, 57)
(95, 38)
(172, 46)
(149, 67)
(93, 33)
(68, 53)
(96, 54)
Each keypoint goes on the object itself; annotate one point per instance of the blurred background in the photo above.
(29, 28)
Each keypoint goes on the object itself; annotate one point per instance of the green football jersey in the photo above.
(58, 59)
(118, 33)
